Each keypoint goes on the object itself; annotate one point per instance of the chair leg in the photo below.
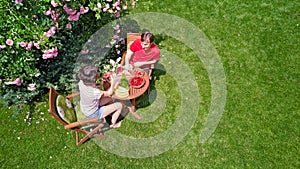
(88, 135)
(76, 137)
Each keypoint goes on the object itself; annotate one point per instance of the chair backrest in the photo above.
(52, 105)
(132, 36)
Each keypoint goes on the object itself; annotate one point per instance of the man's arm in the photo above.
(128, 57)
(139, 64)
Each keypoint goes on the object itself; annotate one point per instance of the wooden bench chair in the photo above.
(130, 38)
(65, 113)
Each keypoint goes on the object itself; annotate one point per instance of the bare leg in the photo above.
(114, 108)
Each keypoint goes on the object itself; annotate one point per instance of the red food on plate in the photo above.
(138, 73)
(136, 82)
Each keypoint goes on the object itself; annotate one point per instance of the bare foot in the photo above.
(137, 116)
(117, 125)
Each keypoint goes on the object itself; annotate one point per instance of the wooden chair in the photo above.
(130, 38)
(87, 127)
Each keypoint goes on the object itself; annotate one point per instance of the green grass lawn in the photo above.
(258, 43)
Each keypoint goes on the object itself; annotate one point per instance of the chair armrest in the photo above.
(123, 58)
(70, 96)
(80, 123)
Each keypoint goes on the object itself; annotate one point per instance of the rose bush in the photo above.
(39, 40)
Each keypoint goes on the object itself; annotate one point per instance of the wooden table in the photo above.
(135, 93)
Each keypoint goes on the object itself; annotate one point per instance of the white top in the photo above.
(89, 98)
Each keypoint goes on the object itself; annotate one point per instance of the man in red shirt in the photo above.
(143, 52)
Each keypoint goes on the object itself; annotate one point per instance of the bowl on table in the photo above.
(136, 82)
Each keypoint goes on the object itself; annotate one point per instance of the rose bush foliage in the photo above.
(39, 40)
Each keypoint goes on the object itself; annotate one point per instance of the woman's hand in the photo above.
(114, 79)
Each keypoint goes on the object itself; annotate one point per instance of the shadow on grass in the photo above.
(144, 100)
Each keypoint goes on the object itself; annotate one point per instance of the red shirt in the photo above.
(140, 55)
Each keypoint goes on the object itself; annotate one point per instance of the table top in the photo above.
(136, 92)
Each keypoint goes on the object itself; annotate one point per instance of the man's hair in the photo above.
(147, 36)
(87, 74)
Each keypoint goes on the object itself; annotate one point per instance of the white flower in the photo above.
(119, 59)
(106, 67)
(112, 62)
(31, 87)
(99, 5)
(113, 41)
(37, 74)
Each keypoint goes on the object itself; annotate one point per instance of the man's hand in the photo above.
(138, 64)
(128, 67)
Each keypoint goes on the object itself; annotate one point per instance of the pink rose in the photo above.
(74, 17)
(29, 45)
(116, 37)
(106, 75)
(122, 40)
(54, 16)
(47, 12)
(23, 44)
(117, 27)
(118, 3)
(84, 52)
(50, 53)
(69, 11)
(54, 51)
(36, 45)
(84, 10)
(54, 4)
(50, 32)
(17, 82)
(68, 26)
(9, 42)
(2, 46)
(117, 14)
(18, 1)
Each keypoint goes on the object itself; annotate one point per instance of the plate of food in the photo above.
(136, 82)
(121, 92)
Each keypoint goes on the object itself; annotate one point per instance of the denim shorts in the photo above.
(98, 113)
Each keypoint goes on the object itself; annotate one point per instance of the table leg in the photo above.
(137, 116)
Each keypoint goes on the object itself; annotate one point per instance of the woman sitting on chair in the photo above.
(142, 53)
(90, 96)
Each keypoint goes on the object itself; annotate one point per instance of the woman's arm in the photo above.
(110, 91)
